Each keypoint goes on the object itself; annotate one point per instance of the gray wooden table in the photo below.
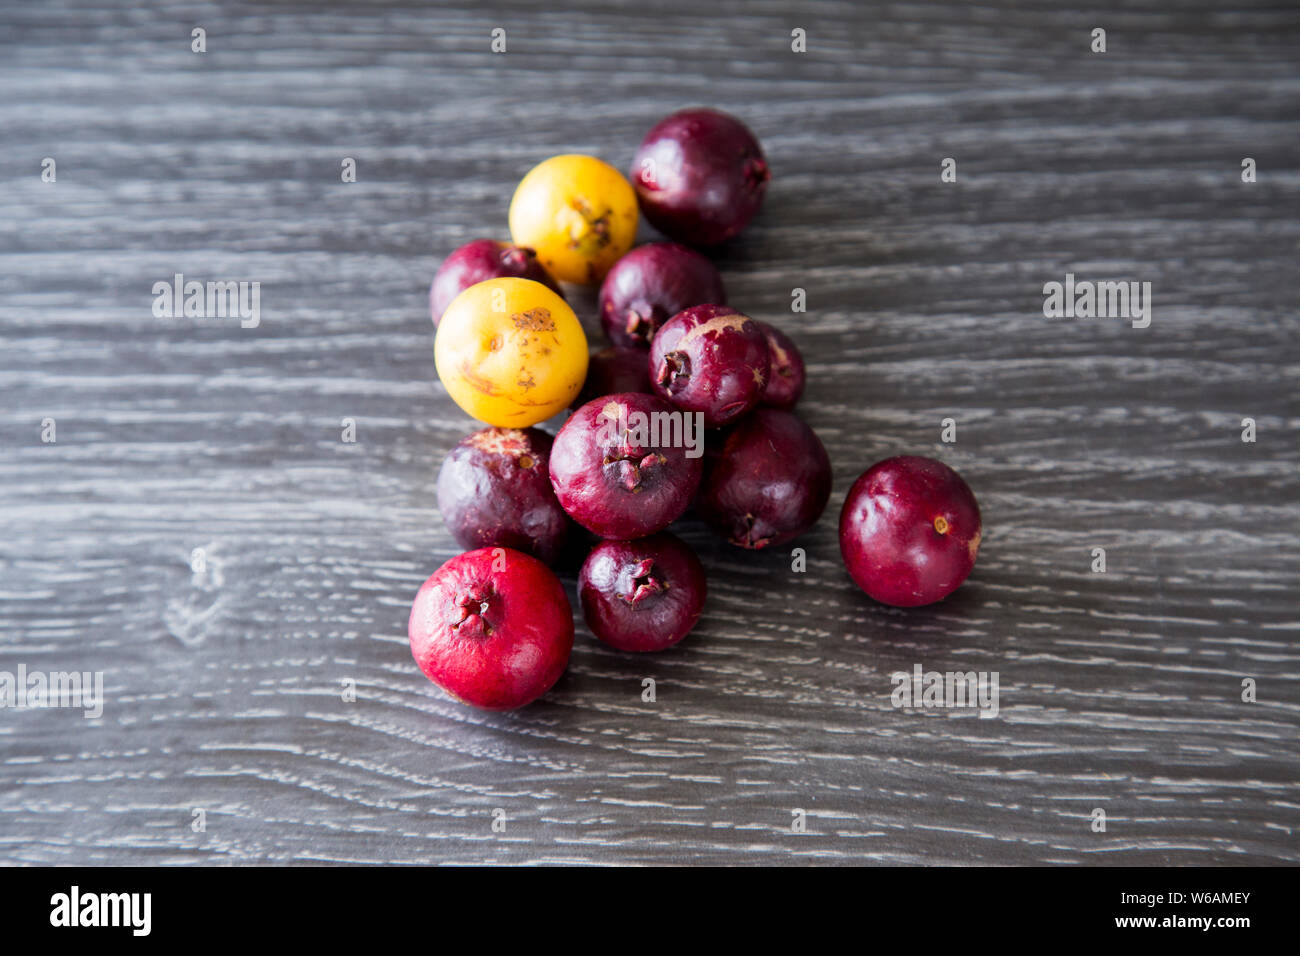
(199, 532)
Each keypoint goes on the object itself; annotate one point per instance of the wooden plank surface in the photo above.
(1120, 691)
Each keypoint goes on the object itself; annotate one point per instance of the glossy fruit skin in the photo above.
(578, 212)
(494, 490)
(910, 531)
(650, 285)
(710, 359)
(511, 352)
(613, 370)
(612, 484)
(785, 379)
(642, 595)
(479, 261)
(700, 176)
(493, 628)
(768, 484)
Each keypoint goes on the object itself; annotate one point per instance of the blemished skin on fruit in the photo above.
(578, 212)
(479, 261)
(710, 359)
(769, 482)
(611, 483)
(910, 531)
(511, 352)
(785, 379)
(642, 595)
(650, 285)
(700, 176)
(493, 628)
(494, 489)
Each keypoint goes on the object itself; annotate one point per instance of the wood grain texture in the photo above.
(1119, 690)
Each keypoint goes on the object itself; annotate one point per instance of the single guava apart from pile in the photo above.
(642, 595)
(493, 628)
(710, 359)
(650, 285)
(494, 488)
(910, 531)
(769, 482)
(479, 261)
(626, 465)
